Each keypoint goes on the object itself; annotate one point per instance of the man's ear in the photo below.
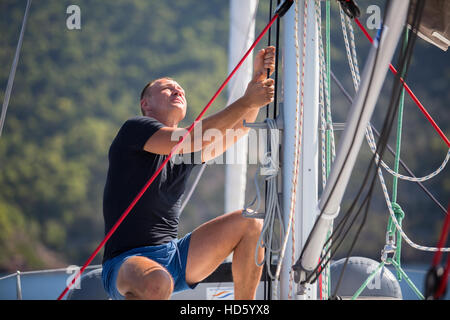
(144, 106)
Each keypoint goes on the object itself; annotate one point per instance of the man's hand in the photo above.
(260, 91)
(265, 59)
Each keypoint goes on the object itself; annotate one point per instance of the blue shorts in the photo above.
(172, 256)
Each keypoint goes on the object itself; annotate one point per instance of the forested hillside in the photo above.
(74, 89)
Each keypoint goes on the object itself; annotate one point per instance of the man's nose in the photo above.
(178, 93)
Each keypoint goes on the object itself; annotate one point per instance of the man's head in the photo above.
(164, 99)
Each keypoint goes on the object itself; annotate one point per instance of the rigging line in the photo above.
(363, 222)
(369, 134)
(383, 141)
(371, 142)
(410, 92)
(367, 205)
(352, 59)
(230, 95)
(442, 286)
(442, 239)
(275, 105)
(169, 156)
(443, 283)
(299, 141)
(12, 73)
(377, 133)
(276, 74)
(404, 62)
(399, 131)
(333, 188)
(267, 271)
(297, 131)
(392, 214)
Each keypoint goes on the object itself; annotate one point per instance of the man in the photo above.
(144, 259)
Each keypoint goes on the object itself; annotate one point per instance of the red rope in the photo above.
(442, 239)
(438, 255)
(411, 94)
(174, 149)
(441, 288)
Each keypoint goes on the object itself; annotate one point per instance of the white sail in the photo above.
(242, 34)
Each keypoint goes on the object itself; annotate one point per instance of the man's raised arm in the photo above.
(260, 92)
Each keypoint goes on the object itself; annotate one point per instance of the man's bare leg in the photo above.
(141, 278)
(213, 241)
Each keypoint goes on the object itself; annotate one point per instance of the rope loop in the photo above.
(399, 214)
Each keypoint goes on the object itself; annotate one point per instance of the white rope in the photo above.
(371, 141)
(351, 63)
(353, 47)
(372, 144)
(297, 138)
(397, 225)
(273, 208)
(323, 87)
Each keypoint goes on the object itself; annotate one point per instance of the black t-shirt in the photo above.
(154, 218)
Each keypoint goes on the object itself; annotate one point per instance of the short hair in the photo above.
(144, 92)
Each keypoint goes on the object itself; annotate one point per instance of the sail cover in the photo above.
(435, 23)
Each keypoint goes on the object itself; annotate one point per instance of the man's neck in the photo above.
(167, 122)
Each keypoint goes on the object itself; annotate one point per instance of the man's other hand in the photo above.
(260, 91)
(265, 59)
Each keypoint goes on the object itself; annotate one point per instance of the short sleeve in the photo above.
(136, 131)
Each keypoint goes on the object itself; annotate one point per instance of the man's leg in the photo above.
(213, 241)
(141, 278)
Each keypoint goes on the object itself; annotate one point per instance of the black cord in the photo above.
(402, 163)
(404, 63)
(268, 283)
(380, 150)
(338, 177)
(269, 38)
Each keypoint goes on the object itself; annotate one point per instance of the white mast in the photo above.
(307, 187)
(359, 116)
(242, 34)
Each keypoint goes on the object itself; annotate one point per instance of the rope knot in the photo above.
(399, 214)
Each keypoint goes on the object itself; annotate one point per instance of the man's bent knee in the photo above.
(253, 225)
(158, 285)
(142, 278)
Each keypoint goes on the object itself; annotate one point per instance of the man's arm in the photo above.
(264, 60)
(259, 93)
(163, 141)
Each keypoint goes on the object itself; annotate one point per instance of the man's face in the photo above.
(167, 98)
